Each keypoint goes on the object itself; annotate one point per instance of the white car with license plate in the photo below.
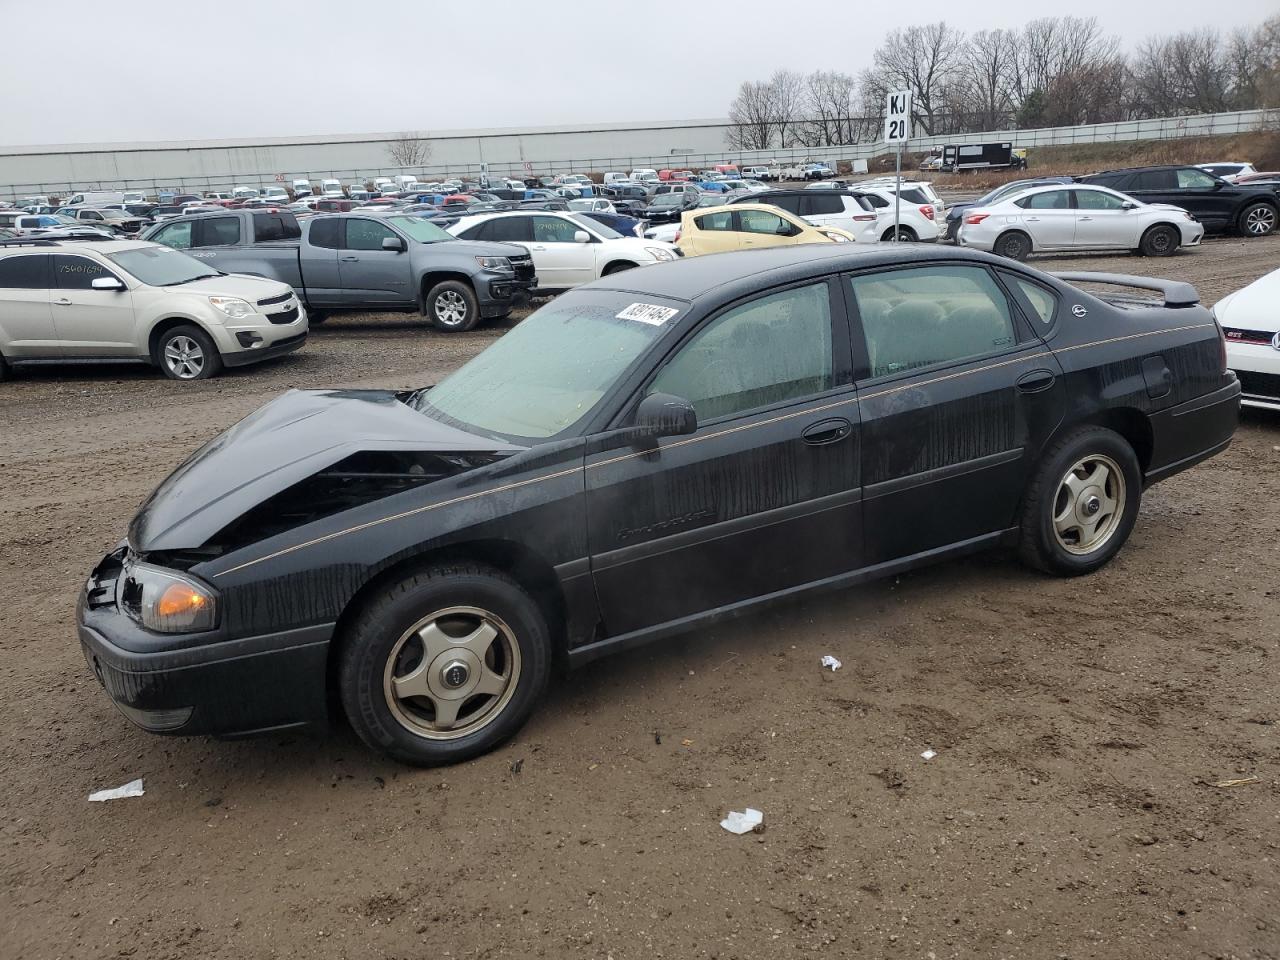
(1250, 320)
(1078, 217)
(568, 249)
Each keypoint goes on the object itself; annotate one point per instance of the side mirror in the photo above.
(581, 236)
(106, 283)
(1128, 205)
(1219, 184)
(662, 415)
(392, 243)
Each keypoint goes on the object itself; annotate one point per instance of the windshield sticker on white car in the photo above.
(649, 313)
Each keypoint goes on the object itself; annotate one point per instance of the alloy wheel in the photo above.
(452, 673)
(1261, 221)
(1089, 504)
(184, 358)
(451, 308)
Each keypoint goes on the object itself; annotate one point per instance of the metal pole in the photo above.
(897, 189)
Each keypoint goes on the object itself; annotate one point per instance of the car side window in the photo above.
(176, 235)
(762, 221)
(366, 234)
(820, 203)
(716, 221)
(1097, 200)
(326, 233)
(1050, 200)
(925, 316)
(767, 351)
(1042, 301)
(553, 230)
(90, 215)
(1192, 179)
(876, 200)
(510, 230)
(789, 204)
(217, 232)
(1156, 180)
(29, 272)
(77, 273)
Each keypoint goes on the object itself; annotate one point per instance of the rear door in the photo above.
(369, 273)
(1049, 218)
(318, 261)
(713, 233)
(91, 323)
(958, 394)
(27, 331)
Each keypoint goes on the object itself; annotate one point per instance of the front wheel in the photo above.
(1258, 220)
(451, 305)
(187, 353)
(444, 665)
(1159, 241)
(1081, 504)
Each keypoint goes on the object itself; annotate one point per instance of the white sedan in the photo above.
(1251, 325)
(1077, 217)
(567, 248)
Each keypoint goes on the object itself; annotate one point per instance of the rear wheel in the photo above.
(1160, 241)
(1013, 245)
(451, 305)
(1258, 220)
(905, 235)
(1081, 504)
(187, 353)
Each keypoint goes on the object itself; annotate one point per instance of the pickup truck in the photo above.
(352, 261)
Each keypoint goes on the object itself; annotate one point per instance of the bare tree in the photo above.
(409, 149)
(986, 77)
(829, 108)
(923, 60)
(788, 94)
(752, 116)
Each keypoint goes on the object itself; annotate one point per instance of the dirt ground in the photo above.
(1071, 809)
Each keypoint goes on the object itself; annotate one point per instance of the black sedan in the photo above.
(644, 455)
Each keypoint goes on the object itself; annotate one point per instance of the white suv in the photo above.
(921, 213)
(126, 300)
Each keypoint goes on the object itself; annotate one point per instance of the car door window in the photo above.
(325, 232)
(1043, 303)
(716, 221)
(770, 350)
(1192, 179)
(762, 221)
(820, 204)
(1050, 200)
(176, 235)
(217, 232)
(77, 273)
(367, 234)
(29, 272)
(553, 230)
(790, 204)
(925, 316)
(510, 230)
(1156, 180)
(1097, 200)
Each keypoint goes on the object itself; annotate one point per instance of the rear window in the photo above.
(276, 226)
(30, 272)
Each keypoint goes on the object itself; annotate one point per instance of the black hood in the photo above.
(290, 439)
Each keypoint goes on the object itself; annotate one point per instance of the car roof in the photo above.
(745, 271)
(98, 246)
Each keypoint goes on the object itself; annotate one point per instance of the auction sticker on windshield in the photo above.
(649, 313)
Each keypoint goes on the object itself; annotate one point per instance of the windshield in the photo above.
(161, 266)
(595, 226)
(552, 370)
(424, 231)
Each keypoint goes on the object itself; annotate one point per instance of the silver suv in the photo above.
(126, 300)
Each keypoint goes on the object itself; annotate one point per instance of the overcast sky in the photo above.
(86, 71)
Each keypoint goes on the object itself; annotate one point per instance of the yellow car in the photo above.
(748, 226)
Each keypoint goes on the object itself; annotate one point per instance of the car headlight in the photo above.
(660, 253)
(501, 264)
(232, 307)
(167, 601)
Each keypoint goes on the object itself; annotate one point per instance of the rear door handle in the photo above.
(1036, 381)
(62, 302)
(827, 431)
(350, 259)
(1085, 218)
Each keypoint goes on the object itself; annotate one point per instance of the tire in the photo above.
(1066, 493)
(316, 317)
(385, 648)
(4, 369)
(905, 235)
(1257, 220)
(1160, 241)
(617, 268)
(1014, 245)
(451, 306)
(187, 353)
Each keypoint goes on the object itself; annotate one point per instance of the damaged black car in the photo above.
(644, 455)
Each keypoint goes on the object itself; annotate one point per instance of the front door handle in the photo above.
(537, 248)
(1085, 218)
(62, 302)
(350, 259)
(1036, 381)
(827, 431)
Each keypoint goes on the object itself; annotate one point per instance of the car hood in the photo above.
(284, 442)
(248, 288)
(1252, 307)
(484, 248)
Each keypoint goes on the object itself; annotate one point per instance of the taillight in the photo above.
(677, 240)
(976, 218)
(927, 211)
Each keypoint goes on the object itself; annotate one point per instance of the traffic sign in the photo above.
(897, 117)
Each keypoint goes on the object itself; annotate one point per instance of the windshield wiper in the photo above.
(178, 283)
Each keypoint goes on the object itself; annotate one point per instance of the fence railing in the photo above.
(1166, 128)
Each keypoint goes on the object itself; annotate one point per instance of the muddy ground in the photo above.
(1080, 727)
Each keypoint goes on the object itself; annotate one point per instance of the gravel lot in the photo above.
(1080, 727)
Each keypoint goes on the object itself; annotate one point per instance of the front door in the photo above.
(957, 396)
(1102, 220)
(763, 497)
(91, 323)
(761, 228)
(26, 318)
(370, 273)
(568, 263)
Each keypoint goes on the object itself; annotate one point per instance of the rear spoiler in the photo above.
(1176, 293)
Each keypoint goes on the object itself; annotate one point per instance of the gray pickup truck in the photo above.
(349, 261)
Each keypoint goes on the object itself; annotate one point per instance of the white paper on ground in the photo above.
(131, 789)
(829, 661)
(928, 754)
(743, 822)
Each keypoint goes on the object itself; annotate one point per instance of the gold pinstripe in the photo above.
(807, 411)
